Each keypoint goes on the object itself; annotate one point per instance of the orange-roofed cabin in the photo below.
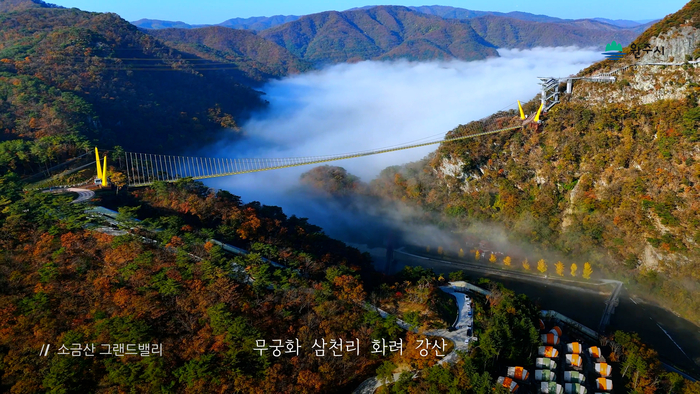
(550, 339)
(547, 351)
(508, 383)
(603, 369)
(574, 360)
(518, 373)
(603, 384)
(594, 351)
(574, 347)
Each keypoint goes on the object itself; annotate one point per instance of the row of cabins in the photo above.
(545, 375)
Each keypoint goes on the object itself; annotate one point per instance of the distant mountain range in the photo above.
(259, 23)
(256, 23)
(379, 33)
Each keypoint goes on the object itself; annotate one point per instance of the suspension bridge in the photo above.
(143, 169)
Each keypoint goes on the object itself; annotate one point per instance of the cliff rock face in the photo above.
(677, 43)
(640, 85)
(451, 171)
(644, 84)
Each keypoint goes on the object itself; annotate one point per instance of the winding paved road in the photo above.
(84, 195)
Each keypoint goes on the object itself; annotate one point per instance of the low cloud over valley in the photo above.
(368, 105)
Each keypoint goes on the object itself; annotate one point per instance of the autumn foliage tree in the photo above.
(560, 268)
(587, 270)
(542, 266)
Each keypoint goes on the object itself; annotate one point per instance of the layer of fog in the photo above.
(368, 105)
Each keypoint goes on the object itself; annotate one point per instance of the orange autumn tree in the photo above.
(412, 352)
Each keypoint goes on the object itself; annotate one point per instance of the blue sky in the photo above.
(215, 11)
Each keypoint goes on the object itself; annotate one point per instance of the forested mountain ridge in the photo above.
(394, 32)
(257, 59)
(378, 33)
(87, 78)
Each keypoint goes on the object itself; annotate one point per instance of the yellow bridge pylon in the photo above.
(101, 169)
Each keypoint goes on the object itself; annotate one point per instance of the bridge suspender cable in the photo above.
(144, 169)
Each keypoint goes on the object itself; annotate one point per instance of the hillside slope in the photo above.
(613, 176)
(144, 95)
(256, 59)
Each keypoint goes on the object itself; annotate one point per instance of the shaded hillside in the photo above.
(379, 33)
(513, 33)
(255, 58)
(143, 94)
(42, 125)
